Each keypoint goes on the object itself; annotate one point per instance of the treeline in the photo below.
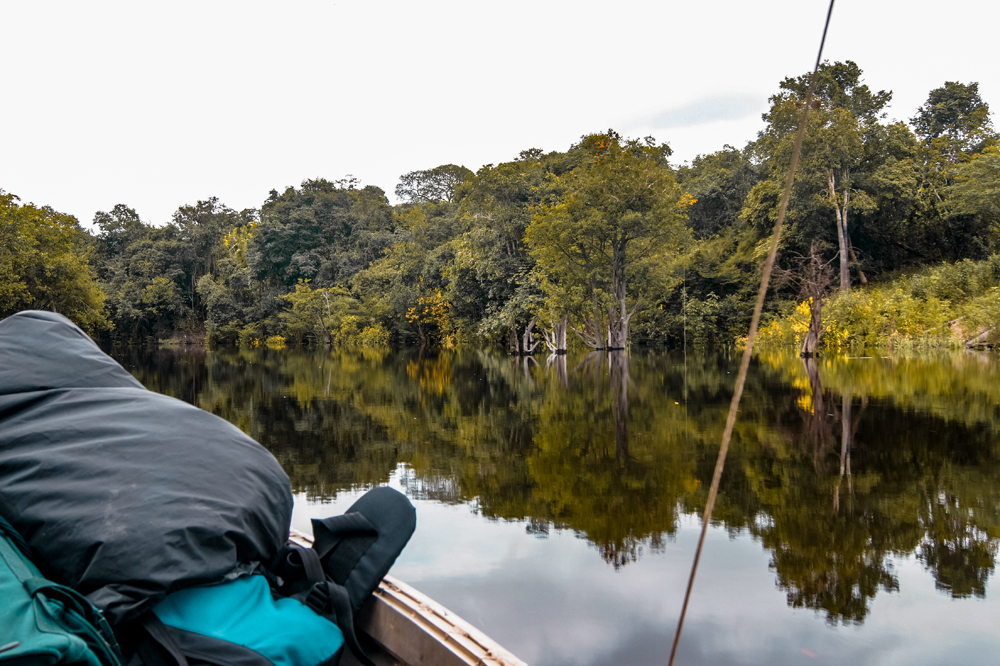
(606, 238)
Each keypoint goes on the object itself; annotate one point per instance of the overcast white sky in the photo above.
(156, 105)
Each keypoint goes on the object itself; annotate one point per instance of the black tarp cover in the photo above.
(123, 493)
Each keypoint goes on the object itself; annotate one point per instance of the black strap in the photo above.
(342, 541)
(340, 602)
(157, 648)
(311, 564)
(323, 596)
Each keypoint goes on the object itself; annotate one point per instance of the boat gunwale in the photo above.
(397, 609)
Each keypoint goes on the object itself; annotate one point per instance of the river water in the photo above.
(559, 502)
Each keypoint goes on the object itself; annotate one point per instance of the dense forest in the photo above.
(606, 239)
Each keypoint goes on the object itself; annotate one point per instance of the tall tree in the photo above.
(976, 190)
(952, 127)
(44, 264)
(202, 227)
(847, 156)
(955, 121)
(325, 231)
(621, 207)
(492, 285)
(432, 185)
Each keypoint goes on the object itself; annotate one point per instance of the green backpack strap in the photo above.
(43, 620)
(80, 616)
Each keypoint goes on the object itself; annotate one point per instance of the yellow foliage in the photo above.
(236, 242)
(939, 307)
(687, 200)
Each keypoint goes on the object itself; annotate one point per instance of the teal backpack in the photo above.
(300, 612)
(42, 622)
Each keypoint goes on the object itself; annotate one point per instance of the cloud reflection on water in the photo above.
(553, 601)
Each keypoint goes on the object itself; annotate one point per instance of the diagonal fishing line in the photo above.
(748, 351)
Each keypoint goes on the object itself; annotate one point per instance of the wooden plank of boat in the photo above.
(400, 626)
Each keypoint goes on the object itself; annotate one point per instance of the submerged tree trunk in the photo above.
(815, 327)
(614, 329)
(555, 339)
(594, 328)
(619, 316)
(528, 339)
(590, 335)
(815, 281)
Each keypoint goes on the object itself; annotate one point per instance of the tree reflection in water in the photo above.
(837, 465)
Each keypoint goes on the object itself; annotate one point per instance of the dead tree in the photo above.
(813, 278)
(590, 334)
(980, 339)
(555, 339)
(528, 339)
(327, 338)
(526, 346)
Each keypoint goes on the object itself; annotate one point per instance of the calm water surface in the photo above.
(558, 504)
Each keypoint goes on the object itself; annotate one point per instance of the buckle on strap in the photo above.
(317, 598)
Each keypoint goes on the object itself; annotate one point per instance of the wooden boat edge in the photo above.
(414, 629)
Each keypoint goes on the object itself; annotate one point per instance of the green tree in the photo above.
(44, 265)
(843, 152)
(976, 189)
(325, 232)
(201, 229)
(141, 269)
(952, 126)
(490, 281)
(954, 122)
(719, 182)
(622, 207)
(432, 185)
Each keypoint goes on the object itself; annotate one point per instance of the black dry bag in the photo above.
(122, 493)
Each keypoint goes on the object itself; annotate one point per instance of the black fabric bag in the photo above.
(351, 553)
(358, 548)
(122, 493)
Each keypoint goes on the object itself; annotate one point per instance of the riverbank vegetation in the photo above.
(606, 238)
(947, 305)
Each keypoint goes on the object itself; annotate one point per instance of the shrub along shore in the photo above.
(946, 306)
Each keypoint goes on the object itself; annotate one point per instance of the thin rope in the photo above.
(748, 351)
